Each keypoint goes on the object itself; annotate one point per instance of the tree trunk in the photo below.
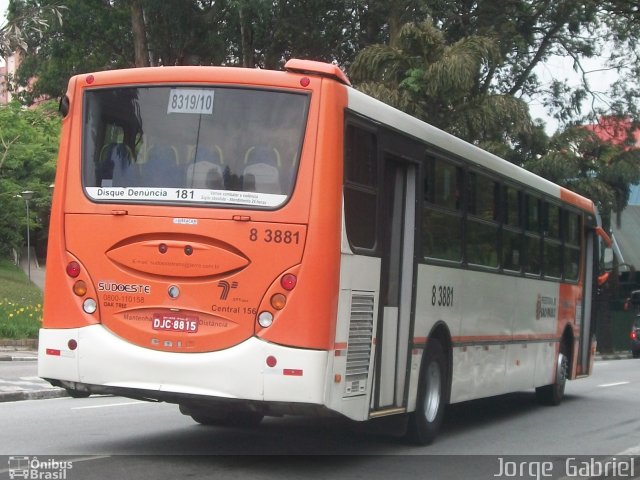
(246, 36)
(139, 35)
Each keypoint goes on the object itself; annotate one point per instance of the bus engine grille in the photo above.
(359, 346)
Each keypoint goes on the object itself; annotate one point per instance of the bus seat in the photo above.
(104, 166)
(206, 171)
(161, 168)
(124, 171)
(262, 170)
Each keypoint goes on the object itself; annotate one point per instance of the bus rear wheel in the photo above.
(554, 393)
(78, 393)
(425, 422)
(235, 418)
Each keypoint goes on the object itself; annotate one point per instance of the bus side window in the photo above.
(442, 211)
(533, 238)
(572, 228)
(512, 231)
(361, 187)
(482, 227)
(552, 253)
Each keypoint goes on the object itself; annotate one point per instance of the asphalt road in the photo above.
(123, 438)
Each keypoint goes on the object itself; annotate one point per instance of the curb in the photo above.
(33, 395)
(23, 344)
(614, 356)
(17, 358)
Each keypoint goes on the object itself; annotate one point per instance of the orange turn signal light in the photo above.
(278, 301)
(80, 288)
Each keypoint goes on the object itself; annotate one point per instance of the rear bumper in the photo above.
(105, 363)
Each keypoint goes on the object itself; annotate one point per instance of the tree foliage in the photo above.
(93, 35)
(513, 38)
(26, 23)
(441, 83)
(28, 148)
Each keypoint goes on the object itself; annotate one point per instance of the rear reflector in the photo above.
(292, 372)
(53, 351)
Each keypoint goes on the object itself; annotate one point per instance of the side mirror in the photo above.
(63, 108)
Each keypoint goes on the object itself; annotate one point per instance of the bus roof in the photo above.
(396, 119)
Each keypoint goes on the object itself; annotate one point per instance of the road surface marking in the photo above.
(109, 405)
(632, 452)
(604, 385)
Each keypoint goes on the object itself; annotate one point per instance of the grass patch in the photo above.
(20, 303)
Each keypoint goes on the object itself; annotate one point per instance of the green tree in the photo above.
(93, 35)
(99, 34)
(530, 32)
(443, 84)
(28, 149)
(523, 34)
(30, 22)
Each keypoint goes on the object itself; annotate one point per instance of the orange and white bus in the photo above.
(246, 243)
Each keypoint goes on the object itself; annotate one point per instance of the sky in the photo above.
(561, 68)
(557, 67)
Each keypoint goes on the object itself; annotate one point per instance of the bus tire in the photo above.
(554, 393)
(73, 393)
(425, 422)
(236, 419)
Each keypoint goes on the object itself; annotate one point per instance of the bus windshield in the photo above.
(192, 144)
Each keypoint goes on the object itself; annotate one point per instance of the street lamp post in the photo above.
(28, 195)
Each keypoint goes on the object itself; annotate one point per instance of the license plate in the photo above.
(175, 323)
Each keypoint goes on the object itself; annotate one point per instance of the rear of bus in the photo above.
(192, 259)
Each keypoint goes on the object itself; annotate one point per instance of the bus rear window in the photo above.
(192, 144)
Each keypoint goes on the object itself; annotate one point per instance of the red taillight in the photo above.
(634, 335)
(288, 281)
(73, 269)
